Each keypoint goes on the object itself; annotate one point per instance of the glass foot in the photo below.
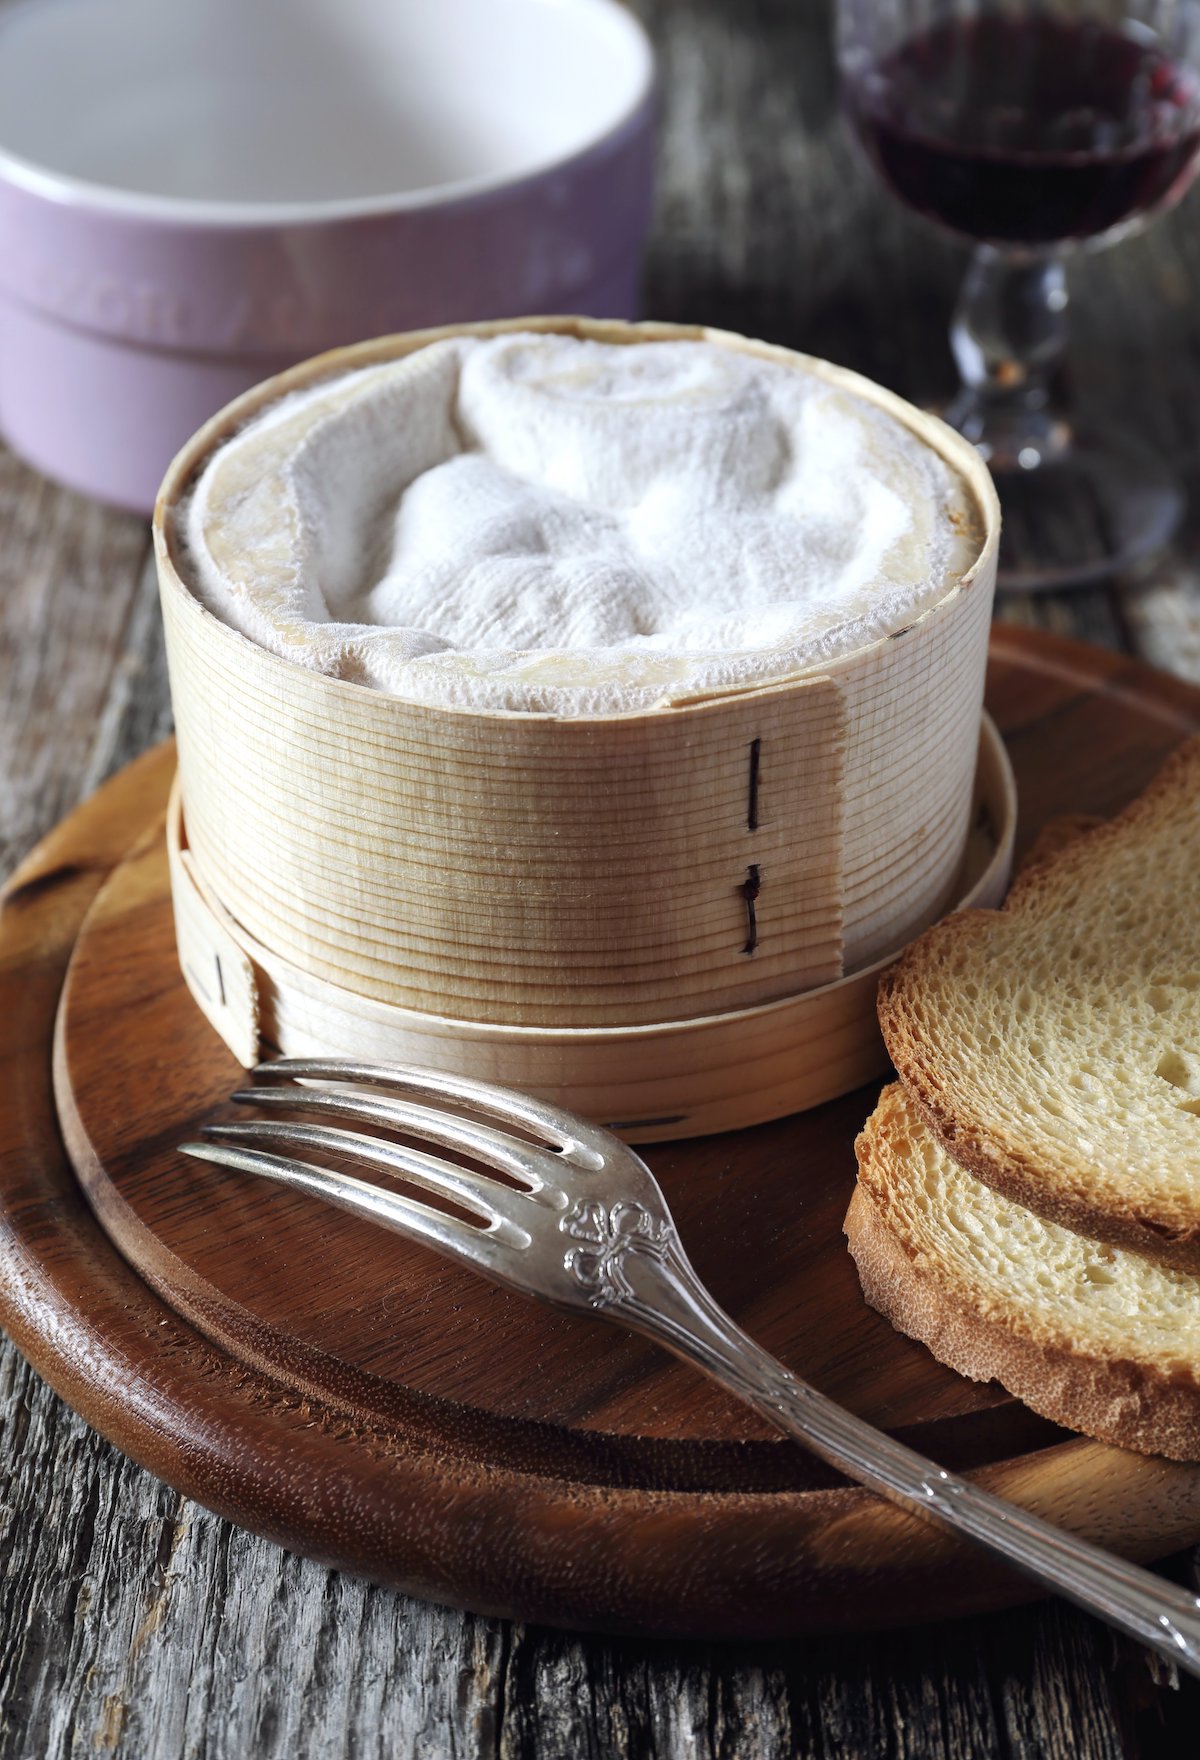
(1078, 515)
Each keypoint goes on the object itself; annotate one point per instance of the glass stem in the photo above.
(1008, 336)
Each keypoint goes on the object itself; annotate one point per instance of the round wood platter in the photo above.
(361, 1401)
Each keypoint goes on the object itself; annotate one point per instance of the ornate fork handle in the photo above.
(657, 1293)
(591, 1230)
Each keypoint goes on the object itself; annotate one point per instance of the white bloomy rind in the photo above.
(549, 523)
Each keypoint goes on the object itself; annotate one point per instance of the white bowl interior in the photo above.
(307, 102)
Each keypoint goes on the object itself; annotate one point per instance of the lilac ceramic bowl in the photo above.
(197, 193)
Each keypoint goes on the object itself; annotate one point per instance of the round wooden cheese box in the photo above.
(667, 919)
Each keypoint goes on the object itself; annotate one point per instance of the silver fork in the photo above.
(589, 1230)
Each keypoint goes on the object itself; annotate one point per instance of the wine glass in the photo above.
(1033, 127)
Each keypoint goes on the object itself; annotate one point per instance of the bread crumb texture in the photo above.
(1054, 1045)
(1093, 1336)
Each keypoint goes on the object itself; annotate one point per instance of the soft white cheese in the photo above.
(534, 522)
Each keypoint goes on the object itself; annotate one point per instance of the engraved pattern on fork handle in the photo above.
(668, 1303)
(609, 1246)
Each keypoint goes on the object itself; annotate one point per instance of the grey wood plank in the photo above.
(69, 573)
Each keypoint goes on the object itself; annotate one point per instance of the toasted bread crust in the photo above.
(1130, 1404)
(1161, 1225)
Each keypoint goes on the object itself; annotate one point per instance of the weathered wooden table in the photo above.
(134, 1623)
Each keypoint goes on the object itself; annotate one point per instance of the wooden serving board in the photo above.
(355, 1398)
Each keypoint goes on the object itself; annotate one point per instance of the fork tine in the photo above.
(531, 1163)
(562, 1127)
(394, 1210)
(462, 1185)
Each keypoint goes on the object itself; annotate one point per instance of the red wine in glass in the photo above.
(1029, 129)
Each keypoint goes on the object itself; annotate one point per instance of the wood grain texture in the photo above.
(651, 1084)
(133, 1623)
(494, 1453)
(579, 871)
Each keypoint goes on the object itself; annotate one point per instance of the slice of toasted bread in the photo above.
(1054, 1045)
(1095, 1337)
